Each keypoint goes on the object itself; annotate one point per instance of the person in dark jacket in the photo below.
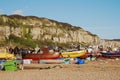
(16, 50)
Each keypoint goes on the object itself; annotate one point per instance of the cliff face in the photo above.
(112, 43)
(43, 29)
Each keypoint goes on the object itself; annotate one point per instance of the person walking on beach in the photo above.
(11, 50)
(90, 52)
(16, 50)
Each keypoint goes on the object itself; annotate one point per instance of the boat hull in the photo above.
(7, 56)
(73, 54)
(41, 56)
(108, 54)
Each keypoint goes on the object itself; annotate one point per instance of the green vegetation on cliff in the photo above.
(31, 31)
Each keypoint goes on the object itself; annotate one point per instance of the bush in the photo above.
(22, 41)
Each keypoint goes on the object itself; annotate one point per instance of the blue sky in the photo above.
(101, 17)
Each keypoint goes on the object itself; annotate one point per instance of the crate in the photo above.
(10, 65)
(10, 68)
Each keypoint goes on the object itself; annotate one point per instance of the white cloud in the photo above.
(19, 12)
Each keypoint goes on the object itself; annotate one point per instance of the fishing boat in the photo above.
(6, 55)
(110, 54)
(73, 54)
(46, 54)
(41, 56)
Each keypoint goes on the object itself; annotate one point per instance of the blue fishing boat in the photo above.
(110, 54)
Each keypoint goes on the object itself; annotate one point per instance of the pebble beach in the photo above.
(100, 69)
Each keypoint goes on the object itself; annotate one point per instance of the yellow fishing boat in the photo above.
(73, 54)
(6, 55)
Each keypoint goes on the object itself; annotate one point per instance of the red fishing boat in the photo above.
(41, 56)
(45, 55)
